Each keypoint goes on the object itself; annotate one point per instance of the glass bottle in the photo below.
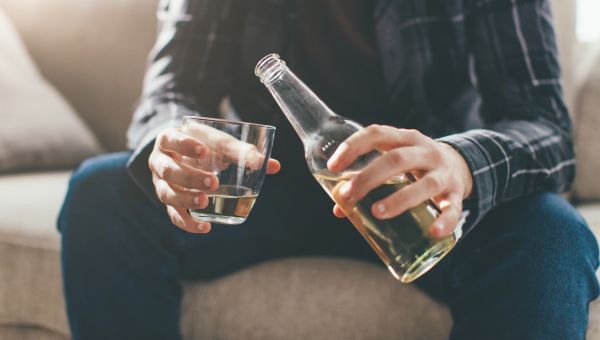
(403, 243)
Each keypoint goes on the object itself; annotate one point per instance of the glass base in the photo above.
(220, 219)
(425, 262)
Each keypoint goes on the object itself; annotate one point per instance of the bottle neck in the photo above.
(305, 111)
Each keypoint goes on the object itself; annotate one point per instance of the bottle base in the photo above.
(229, 220)
(425, 262)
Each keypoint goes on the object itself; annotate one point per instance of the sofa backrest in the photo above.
(587, 137)
(94, 52)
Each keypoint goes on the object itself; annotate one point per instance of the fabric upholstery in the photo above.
(587, 183)
(29, 333)
(312, 298)
(94, 52)
(39, 129)
(295, 298)
(300, 298)
(30, 280)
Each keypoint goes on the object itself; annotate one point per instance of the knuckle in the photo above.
(188, 142)
(412, 133)
(358, 182)
(434, 154)
(173, 216)
(151, 161)
(374, 129)
(189, 180)
(401, 199)
(251, 151)
(396, 157)
(180, 140)
(165, 171)
(162, 195)
(434, 182)
(195, 180)
(163, 138)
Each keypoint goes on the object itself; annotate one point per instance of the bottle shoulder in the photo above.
(321, 145)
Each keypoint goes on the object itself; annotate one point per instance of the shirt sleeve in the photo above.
(189, 72)
(526, 145)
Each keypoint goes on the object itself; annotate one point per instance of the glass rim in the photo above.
(226, 121)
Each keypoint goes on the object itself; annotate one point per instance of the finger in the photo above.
(368, 139)
(409, 196)
(225, 149)
(338, 212)
(225, 146)
(182, 219)
(180, 174)
(273, 166)
(445, 223)
(383, 168)
(175, 141)
(171, 195)
(244, 154)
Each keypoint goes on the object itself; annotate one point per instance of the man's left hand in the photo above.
(443, 174)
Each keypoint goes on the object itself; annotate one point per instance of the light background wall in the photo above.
(576, 56)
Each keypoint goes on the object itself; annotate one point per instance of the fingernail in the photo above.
(345, 190)
(197, 200)
(380, 208)
(207, 182)
(199, 150)
(202, 227)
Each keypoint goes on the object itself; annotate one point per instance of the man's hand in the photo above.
(444, 174)
(183, 166)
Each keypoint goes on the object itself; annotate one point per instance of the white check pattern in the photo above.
(432, 52)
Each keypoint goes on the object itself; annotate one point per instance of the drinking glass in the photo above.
(238, 156)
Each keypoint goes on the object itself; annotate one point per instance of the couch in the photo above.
(94, 53)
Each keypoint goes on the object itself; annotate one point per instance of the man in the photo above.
(481, 76)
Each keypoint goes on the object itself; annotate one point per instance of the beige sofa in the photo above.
(94, 53)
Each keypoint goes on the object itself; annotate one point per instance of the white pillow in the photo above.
(38, 128)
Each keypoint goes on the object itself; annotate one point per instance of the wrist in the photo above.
(463, 168)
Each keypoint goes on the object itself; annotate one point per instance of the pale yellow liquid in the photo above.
(403, 243)
(229, 204)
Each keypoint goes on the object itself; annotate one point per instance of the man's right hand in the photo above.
(180, 173)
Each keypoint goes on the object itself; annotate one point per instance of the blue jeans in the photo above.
(525, 272)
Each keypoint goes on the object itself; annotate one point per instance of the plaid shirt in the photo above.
(480, 75)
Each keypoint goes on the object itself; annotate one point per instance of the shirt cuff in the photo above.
(481, 199)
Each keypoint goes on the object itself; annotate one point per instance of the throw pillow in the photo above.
(38, 128)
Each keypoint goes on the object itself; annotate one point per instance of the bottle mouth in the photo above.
(270, 68)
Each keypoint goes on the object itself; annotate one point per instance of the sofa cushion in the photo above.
(29, 333)
(298, 298)
(318, 298)
(39, 129)
(312, 298)
(30, 284)
(94, 52)
(587, 132)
